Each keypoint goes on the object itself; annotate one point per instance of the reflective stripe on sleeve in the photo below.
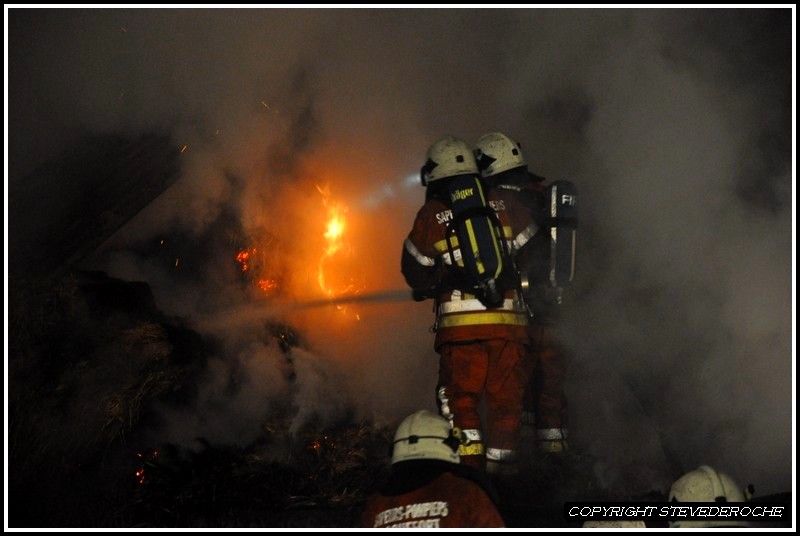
(551, 434)
(422, 259)
(499, 454)
(472, 434)
(526, 234)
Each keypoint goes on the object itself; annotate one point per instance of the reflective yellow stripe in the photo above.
(441, 245)
(480, 191)
(474, 243)
(473, 449)
(514, 319)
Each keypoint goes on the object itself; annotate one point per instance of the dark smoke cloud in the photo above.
(674, 124)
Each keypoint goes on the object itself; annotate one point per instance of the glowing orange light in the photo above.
(335, 227)
(320, 443)
(247, 259)
(242, 257)
(267, 285)
(336, 248)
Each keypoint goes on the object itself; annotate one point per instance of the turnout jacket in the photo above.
(425, 265)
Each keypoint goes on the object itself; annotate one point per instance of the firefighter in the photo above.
(706, 484)
(504, 168)
(428, 488)
(480, 341)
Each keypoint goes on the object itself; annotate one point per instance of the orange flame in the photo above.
(335, 246)
(247, 256)
(242, 258)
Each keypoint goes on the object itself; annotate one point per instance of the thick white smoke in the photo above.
(677, 141)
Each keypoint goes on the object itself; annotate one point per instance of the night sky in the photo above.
(675, 125)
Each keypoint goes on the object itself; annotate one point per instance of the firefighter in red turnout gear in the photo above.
(428, 488)
(504, 168)
(480, 328)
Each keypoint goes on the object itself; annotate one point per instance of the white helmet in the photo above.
(705, 484)
(425, 436)
(448, 157)
(495, 153)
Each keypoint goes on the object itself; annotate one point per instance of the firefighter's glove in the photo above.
(420, 294)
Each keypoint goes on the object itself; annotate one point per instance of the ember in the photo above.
(242, 257)
(257, 267)
(145, 459)
(322, 444)
(267, 285)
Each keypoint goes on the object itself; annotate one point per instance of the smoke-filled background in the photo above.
(675, 125)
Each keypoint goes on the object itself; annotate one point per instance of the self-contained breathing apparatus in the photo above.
(477, 259)
(550, 262)
(477, 253)
(542, 283)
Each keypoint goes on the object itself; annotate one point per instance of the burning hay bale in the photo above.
(259, 267)
(275, 444)
(87, 410)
